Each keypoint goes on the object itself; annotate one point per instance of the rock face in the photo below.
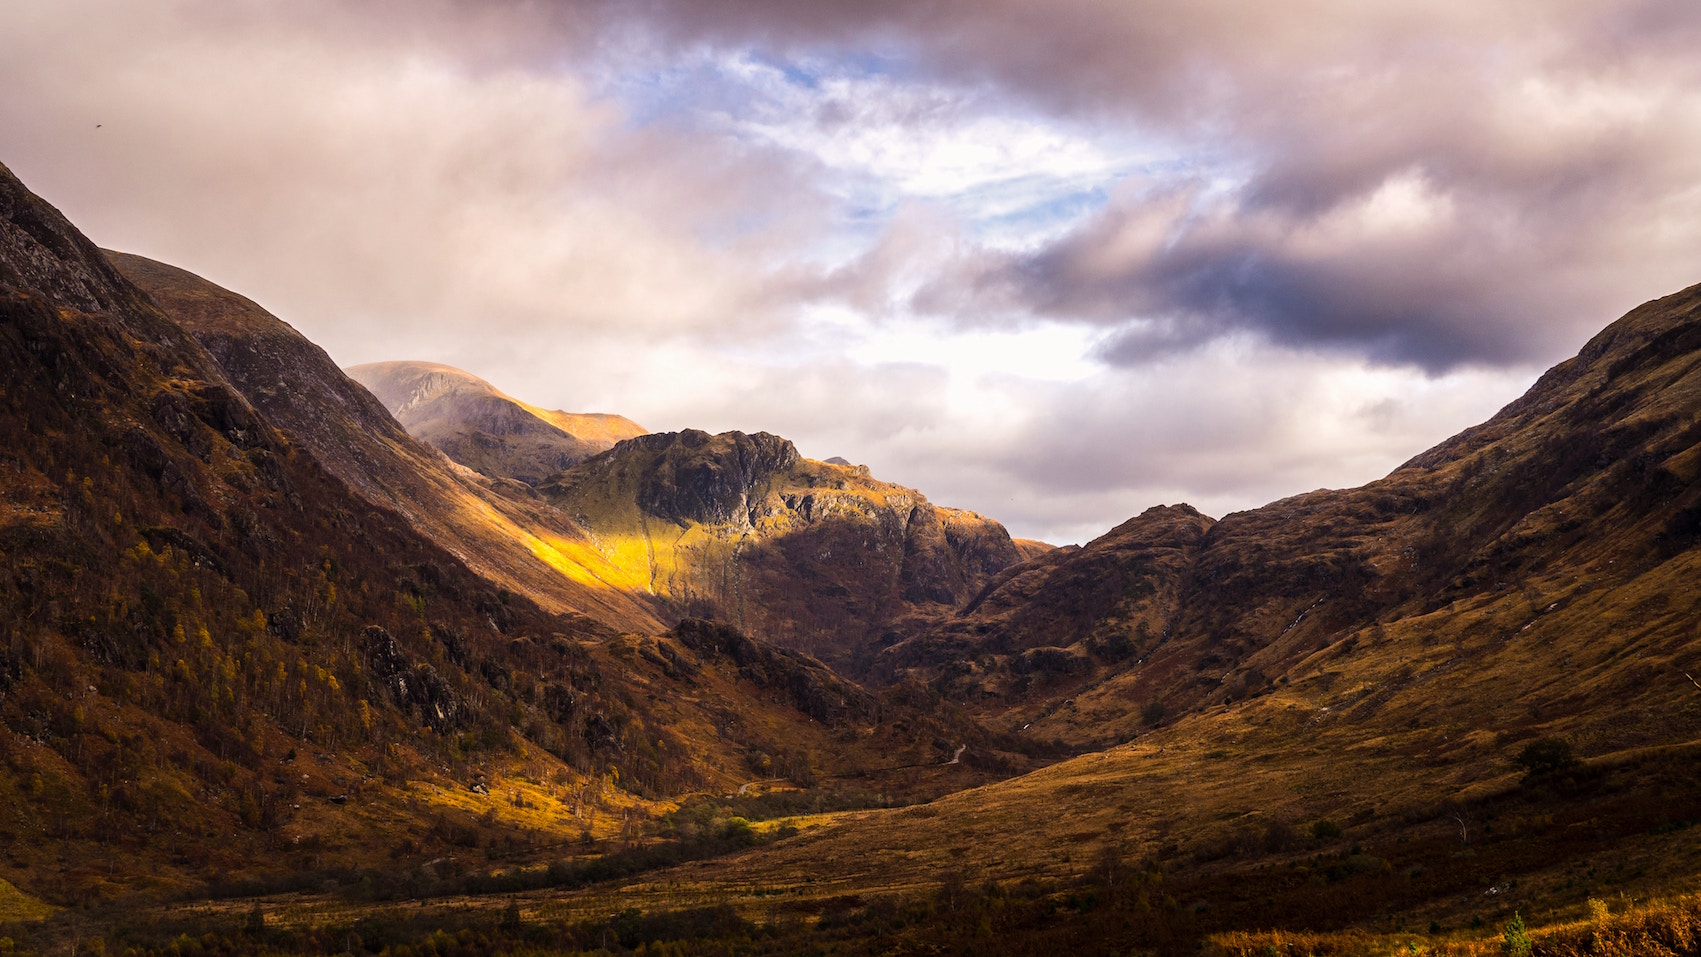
(480, 427)
(710, 480)
(511, 538)
(810, 555)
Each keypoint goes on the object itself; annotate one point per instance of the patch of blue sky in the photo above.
(692, 90)
(874, 135)
(710, 85)
(1035, 214)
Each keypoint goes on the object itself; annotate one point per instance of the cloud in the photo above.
(1424, 183)
(371, 187)
(1055, 262)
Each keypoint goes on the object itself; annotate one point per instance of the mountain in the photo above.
(816, 556)
(809, 555)
(270, 665)
(482, 428)
(1577, 497)
(502, 532)
(1385, 719)
(226, 649)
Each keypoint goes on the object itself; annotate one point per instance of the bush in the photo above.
(1325, 830)
(1546, 756)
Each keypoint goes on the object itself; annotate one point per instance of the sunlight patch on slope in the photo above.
(15, 905)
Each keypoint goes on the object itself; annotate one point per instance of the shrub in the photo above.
(1546, 756)
(1153, 712)
(1597, 911)
(1325, 830)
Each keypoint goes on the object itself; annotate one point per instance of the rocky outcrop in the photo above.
(415, 688)
(809, 555)
(709, 479)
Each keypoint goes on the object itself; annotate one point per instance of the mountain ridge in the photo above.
(485, 429)
(1610, 432)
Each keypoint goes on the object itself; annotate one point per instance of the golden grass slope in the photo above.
(15, 905)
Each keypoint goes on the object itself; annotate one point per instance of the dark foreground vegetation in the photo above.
(1575, 836)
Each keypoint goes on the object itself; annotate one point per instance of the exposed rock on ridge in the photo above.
(818, 557)
(711, 480)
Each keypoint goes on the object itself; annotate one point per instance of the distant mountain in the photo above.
(810, 555)
(484, 429)
(816, 556)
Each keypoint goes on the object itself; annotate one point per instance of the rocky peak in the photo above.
(710, 479)
(41, 251)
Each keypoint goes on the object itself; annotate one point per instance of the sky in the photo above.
(1053, 262)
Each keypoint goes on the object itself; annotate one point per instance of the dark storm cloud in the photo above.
(1423, 183)
(1396, 274)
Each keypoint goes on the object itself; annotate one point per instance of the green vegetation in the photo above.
(1516, 941)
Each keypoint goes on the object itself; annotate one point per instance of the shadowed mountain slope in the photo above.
(484, 429)
(809, 555)
(1583, 488)
(501, 532)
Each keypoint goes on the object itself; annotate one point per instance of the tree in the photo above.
(1517, 940)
